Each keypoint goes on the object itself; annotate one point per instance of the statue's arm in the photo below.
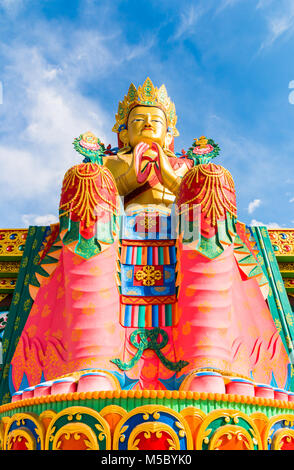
(170, 177)
(123, 172)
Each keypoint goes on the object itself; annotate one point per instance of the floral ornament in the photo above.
(203, 150)
(90, 147)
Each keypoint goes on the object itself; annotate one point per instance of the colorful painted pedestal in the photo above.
(62, 415)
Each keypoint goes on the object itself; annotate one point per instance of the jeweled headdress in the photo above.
(146, 95)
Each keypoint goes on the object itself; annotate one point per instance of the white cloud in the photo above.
(292, 199)
(247, 157)
(33, 219)
(42, 115)
(253, 205)
(263, 3)
(54, 118)
(58, 115)
(48, 80)
(11, 7)
(279, 26)
(226, 4)
(269, 225)
(279, 19)
(47, 104)
(22, 175)
(187, 21)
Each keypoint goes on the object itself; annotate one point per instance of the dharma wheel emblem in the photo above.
(148, 275)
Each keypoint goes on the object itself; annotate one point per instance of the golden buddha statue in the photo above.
(147, 172)
(145, 169)
(174, 305)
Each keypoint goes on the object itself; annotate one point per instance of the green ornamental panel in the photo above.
(21, 303)
(278, 300)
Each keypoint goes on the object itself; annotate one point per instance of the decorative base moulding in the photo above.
(147, 420)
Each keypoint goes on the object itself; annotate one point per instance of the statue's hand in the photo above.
(141, 163)
(129, 180)
(138, 153)
(168, 176)
(165, 167)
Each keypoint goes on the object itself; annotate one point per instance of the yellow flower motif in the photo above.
(90, 137)
(186, 328)
(76, 335)
(46, 311)
(60, 292)
(201, 142)
(278, 325)
(280, 286)
(289, 318)
(32, 331)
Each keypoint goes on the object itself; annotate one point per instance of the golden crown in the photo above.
(146, 95)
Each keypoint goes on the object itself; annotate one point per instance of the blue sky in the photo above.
(227, 65)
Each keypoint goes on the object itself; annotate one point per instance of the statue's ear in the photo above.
(124, 137)
(168, 139)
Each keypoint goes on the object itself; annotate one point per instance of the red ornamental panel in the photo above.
(287, 443)
(19, 443)
(283, 439)
(159, 440)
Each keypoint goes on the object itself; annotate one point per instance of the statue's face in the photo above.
(147, 124)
